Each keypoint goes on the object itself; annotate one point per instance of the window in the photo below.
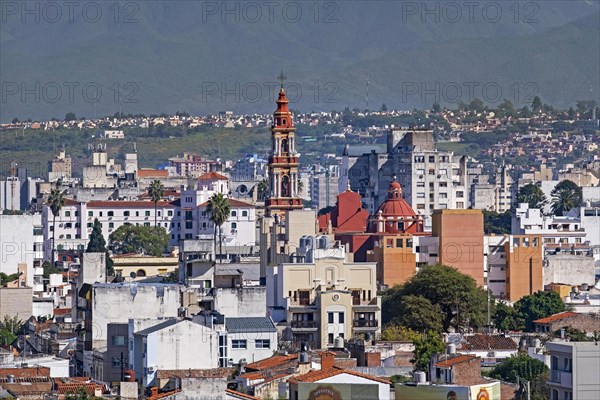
(146, 223)
(431, 158)
(239, 344)
(262, 343)
(147, 213)
(68, 225)
(89, 225)
(189, 224)
(111, 213)
(443, 184)
(170, 213)
(341, 318)
(68, 236)
(460, 194)
(137, 213)
(234, 213)
(431, 171)
(118, 340)
(67, 213)
(443, 195)
(233, 225)
(111, 224)
(443, 171)
(90, 213)
(330, 338)
(399, 243)
(420, 206)
(420, 195)
(330, 317)
(126, 213)
(419, 159)
(244, 213)
(421, 184)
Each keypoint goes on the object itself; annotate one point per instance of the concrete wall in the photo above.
(569, 269)
(16, 302)
(251, 353)
(202, 389)
(117, 303)
(242, 302)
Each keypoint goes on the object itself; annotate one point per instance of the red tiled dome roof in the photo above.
(395, 205)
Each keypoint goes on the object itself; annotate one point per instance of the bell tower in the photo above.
(283, 163)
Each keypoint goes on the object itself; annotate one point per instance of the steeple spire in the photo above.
(281, 78)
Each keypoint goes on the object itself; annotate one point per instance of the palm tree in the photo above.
(262, 189)
(565, 196)
(218, 210)
(56, 202)
(156, 191)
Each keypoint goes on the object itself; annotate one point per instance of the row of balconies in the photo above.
(359, 323)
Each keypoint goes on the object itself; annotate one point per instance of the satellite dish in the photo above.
(133, 275)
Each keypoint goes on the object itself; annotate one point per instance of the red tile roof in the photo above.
(25, 372)
(152, 173)
(455, 360)
(240, 395)
(72, 387)
(489, 342)
(212, 176)
(555, 317)
(61, 311)
(194, 373)
(270, 362)
(315, 376)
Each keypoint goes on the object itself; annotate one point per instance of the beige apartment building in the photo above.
(324, 296)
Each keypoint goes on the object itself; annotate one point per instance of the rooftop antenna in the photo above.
(134, 147)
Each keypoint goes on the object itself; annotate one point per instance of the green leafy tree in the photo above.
(435, 108)
(218, 210)
(152, 240)
(97, 244)
(521, 367)
(506, 318)
(56, 201)
(419, 314)
(156, 191)
(425, 347)
(49, 268)
(538, 305)
(9, 329)
(565, 196)
(397, 333)
(4, 279)
(496, 223)
(532, 195)
(457, 295)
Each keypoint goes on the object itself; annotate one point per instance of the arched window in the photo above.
(284, 146)
(285, 186)
(140, 273)
(244, 213)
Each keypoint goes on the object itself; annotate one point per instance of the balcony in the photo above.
(304, 325)
(562, 378)
(366, 323)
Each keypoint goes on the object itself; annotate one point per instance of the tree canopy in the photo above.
(151, 240)
(426, 346)
(97, 243)
(456, 296)
(532, 195)
(494, 222)
(519, 368)
(9, 329)
(218, 210)
(538, 305)
(565, 196)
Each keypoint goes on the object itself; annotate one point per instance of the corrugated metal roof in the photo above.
(249, 324)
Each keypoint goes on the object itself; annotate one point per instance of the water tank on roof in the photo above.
(537, 343)
(420, 377)
(303, 358)
(338, 343)
(451, 348)
(324, 242)
(584, 287)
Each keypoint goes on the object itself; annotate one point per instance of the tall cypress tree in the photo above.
(97, 244)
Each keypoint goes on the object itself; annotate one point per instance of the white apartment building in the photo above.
(21, 242)
(574, 370)
(564, 233)
(76, 219)
(430, 179)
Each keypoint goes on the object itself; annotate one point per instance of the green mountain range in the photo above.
(203, 57)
